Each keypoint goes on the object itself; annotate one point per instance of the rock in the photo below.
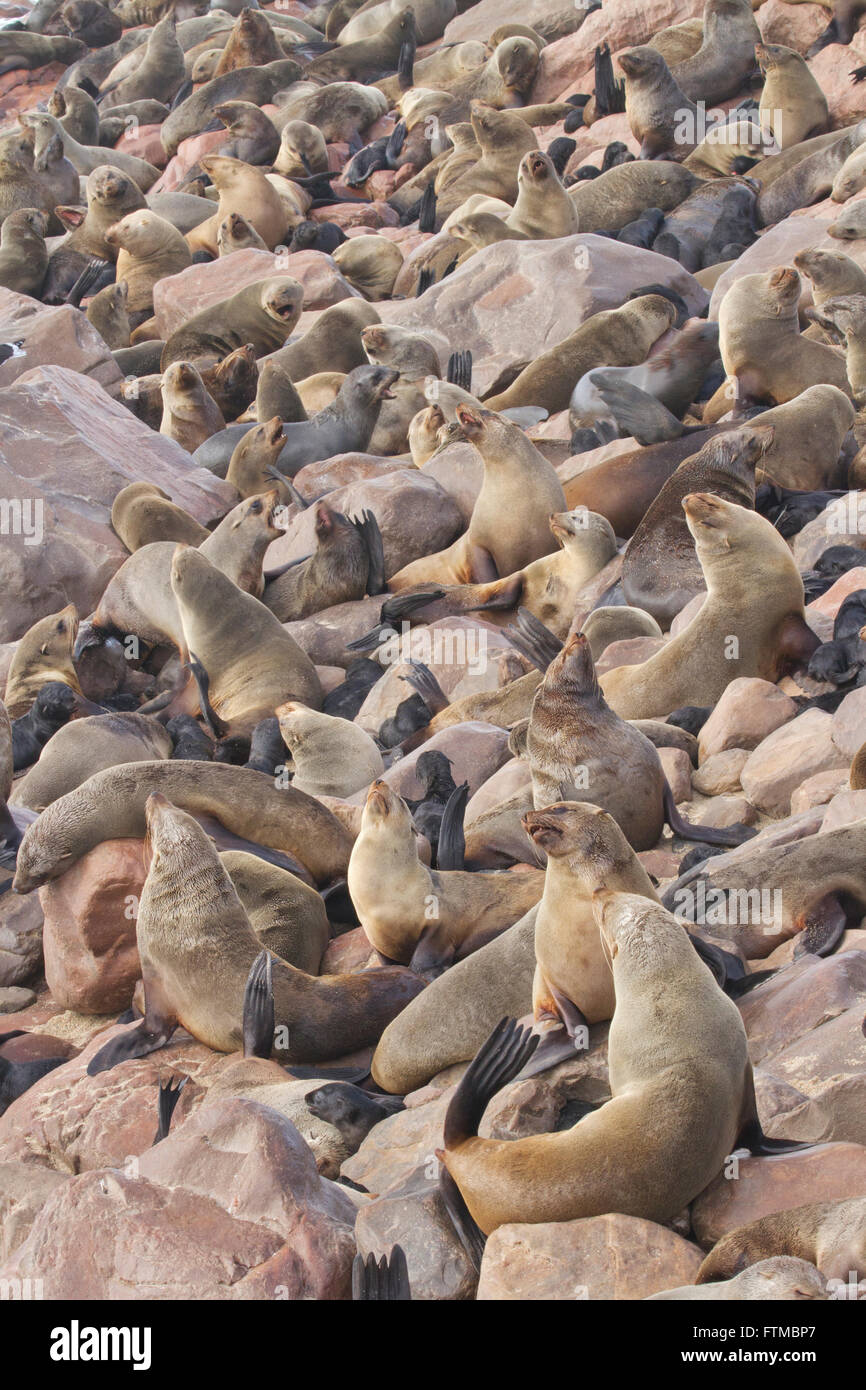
(503, 297)
(347, 215)
(475, 749)
(514, 777)
(66, 450)
(177, 298)
(460, 471)
(833, 526)
(144, 143)
(314, 480)
(793, 26)
(629, 651)
(24, 1191)
(803, 996)
(831, 70)
(758, 1186)
(849, 722)
(324, 635)
(829, 603)
(787, 757)
(779, 245)
(597, 1257)
(550, 20)
(748, 711)
(677, 767)
(827, 1056)
(818, 790)
(58, 336)
(13, 998)
(846, 808)
(413, 1215)
(349, 953)
(229, 1206)
(415, 517)
(720, 772)
(20, 938)
(398, 1146)
(721, 812)
(91, 956)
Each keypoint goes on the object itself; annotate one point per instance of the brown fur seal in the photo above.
(161, 71)
(830, 274)
(791, 98)
(197, 978)
(43, 654)
(726, 57)
(148, 248)
(93, 24)
(85, 746)
(830, 1235)
(189, 414)
(110, 195)
(586, 850)
(302, 151)
(331, 343)
(660, 115)
(19, 49)
(660, 571)
(810, 179)
(857, 774)
(20, 185)
(263, 314)
(503, 139)
(328, 756)
(233, 382)
(235, 233)
(366, 59)
(107, 312)
(621, 194)
(543, 208)
(276, 394)
(252, 137)
(518, 481)
(256, 84)
(142, 512)
(88, 158)
(844, 317)
(242, 189)
(77, 112)
(338, 572)
(612, 337)
(341, 111)
(23, 253)
(254, 459)
(288, 917)
(111, 805)
(405, 907)
(741, 555)
(370, 264)
(251, 43)
(676, 1109)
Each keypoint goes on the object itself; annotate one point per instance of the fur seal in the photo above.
(110, 195)
(780, 1277)
(339, 571)
(726, 57)
(235, 233)
(623, 193)
(262, 314)
(329, 756)
(85, 746)
(695, 1081)
(242, 189)
(660, 115)
(331, 343)
(111, 805)
(258, 85)
(367, 59)
(830, 1235)
(844, 317)
(148, 248)
(791, 97)
(543, 208)
(142, 512)
(189, 414)
(43, 654)
(810, 179)
(503, 139)
(342, 111)
(253, 462)
(161, 71)
(88, 158)
(302, 150)
(23, 253)
(661, 572)
(250, 44)
(107, 312)
(612, 337)
(850, 225)
(412, 913)
(518, 481)
(741, 555)
(18, 49)
(288, 917)
(198, 978)
(830, 273)
(252, 136)
(370, 264)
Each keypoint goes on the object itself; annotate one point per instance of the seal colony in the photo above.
(445, 638)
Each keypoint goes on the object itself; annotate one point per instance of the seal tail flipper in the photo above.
(271, 471)
(427, 214)
(709, 835)
(459, 370)
(169, 1095)
(533, 640)
(422, 680)
(406, 64)
(258, 1017)
(469, 1233)
(368, 529)
(385, 1280)
(451, 847)
(497, 1061)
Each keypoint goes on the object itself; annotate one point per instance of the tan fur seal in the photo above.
(20, 49)
(830, 274)
(370, 264)
(23, 253)
(851, 178)
(262, 314)
(482, 229)
(111, 805)
(251, 43)
(543, 208)
(43, 654)
(791, 98)
(110, 195)
(198, 977)
(661, 572)
(681, 1090)
(107, 312)
(660, 116)
(331, 343)
(142, 512)
(341, 111)
(503, 139)
(255, 455)
(252, 663)
(741, 555)
(235, 233)
(844, 317)
(830, 1235)
(250, 135)
(405, 908)
(302, 151)
(586, 850)
(366, 59)
(337, 572)
(857, 774)
(244, 189)
(88, 158)
(276, 394)
(189, 414)
(431, 17)
(441, 69)
(850, 225)
(329, 756)
(20, 185)
(613, 337)
(518, 483)
(161, 71)
(779, 1278)
(85, 746)
(762, 347)
(720, 67)
(621, 194)
(287, 915)
(415, 358)
(148, 248)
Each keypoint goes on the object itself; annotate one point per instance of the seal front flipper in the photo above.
(95, 276)
(422, 680)
(406, 64)
(169, 1095)
(459, 370)
(533, 640)
(427, 222)
(368, 529)
(609, 94)
(152, 1033)
(259, 1017)
(394, 143)
(385, 1280)
(433, 953)
(451, 847)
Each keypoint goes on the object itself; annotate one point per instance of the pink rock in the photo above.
(787, 757)
(189, 152)
(338, 154)
(381, 184)
(793, 26)
(806, 230)
(316, 479)
(144, 143)
(598, 1257)
(414, 1215)
(475, 750)
(53, 336)
(349, 954)
(24, 1191)
(830, 602)
(845, 808)
(91, 956)
(831, 69)
(720, 772)
(20, 938)
(479, 21)
(802, 996)
(818, 790)
(346, 215)
(677, 767)
(748, 710)
(849, 723)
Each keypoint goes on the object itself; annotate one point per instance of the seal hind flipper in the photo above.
(425, 280)
(84, 84)
(215, 725)
(259, 1016)
(427, 216)
(858, 74)
(385, 1280)
(555, 1046)
(180, 96)
(731, 837)
(423, 681)
(459, 370)
(368, 528)
(497, 1061)
(753, 1138)
(451, 846)
(533, 640)
(406, 64)
(169, 1095)
(95, 276)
